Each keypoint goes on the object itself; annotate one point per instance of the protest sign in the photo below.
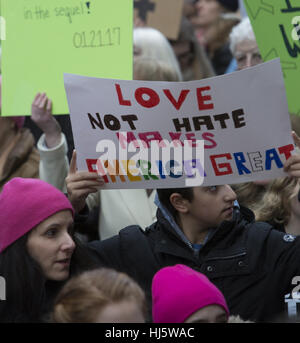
(164, 16)
(241, 119)
(277, 29)
(46, 38)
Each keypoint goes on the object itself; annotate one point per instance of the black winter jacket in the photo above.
(250, 262)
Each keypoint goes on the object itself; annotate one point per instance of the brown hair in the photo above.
(218, 35)
(83, 296)
(200, 64)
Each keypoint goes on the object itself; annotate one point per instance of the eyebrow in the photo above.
(56, 224)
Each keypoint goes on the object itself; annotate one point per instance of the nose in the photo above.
(67, 243)
(229, 194)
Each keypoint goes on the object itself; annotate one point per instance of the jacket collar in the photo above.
(224, 232)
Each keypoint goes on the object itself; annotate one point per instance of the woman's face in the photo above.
(51, 245)
(247, 54)
(208, 314)
(207, 13)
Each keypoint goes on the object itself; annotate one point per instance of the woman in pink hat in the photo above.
(37, 248)
(183, 295)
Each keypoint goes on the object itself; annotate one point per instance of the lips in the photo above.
(228, 209)
(65, 262)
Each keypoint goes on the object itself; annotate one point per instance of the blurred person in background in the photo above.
(151, 43)
(213, 23)
(191, 56)
(18, 155)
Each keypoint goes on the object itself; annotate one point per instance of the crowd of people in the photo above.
(72, 252)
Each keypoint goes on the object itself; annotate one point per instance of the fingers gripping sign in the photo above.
(292, 164)
(80, 184)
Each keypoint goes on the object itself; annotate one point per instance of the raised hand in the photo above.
(41, 115)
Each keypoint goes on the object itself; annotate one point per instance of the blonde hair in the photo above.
(275, 205)
(150, 69)
(84, 296)
(152, 43)
(237, 319)
(249, 193)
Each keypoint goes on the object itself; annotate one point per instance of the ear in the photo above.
(179, 203)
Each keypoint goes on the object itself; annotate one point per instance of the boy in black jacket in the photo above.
(255, 266)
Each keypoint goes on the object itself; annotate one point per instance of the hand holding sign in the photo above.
(292, 165)
(81, 184)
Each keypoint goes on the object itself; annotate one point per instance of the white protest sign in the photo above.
(125, 130)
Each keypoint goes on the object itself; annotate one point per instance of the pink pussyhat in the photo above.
(25, 203)
(179, 291)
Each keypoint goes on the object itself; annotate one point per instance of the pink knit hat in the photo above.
(179, 291)
(24, 203)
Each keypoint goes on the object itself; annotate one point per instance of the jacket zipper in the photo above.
(225, 257)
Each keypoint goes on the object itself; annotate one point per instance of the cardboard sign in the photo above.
(164, 16)
(277, 29)
(241, 119)
(45, 38)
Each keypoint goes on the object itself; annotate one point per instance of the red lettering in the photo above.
(151, 136)
(206, 136)
(177, 104)
(127, 138)
(91, 162)
(120, 97)
(114, 170)
(202, 98)
(286, 150)
(175, 136)
(191, 137)
(153, 97)
(217, 167)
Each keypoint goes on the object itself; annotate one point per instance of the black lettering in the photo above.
(221, 118)
(112, 122)
(289, 8)
(143, 7)
(185, 124)
(130, 118)
(238, 119)
(94, 121)
(293, 51)
(203, 120)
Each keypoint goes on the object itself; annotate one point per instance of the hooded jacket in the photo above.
(252, 264)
